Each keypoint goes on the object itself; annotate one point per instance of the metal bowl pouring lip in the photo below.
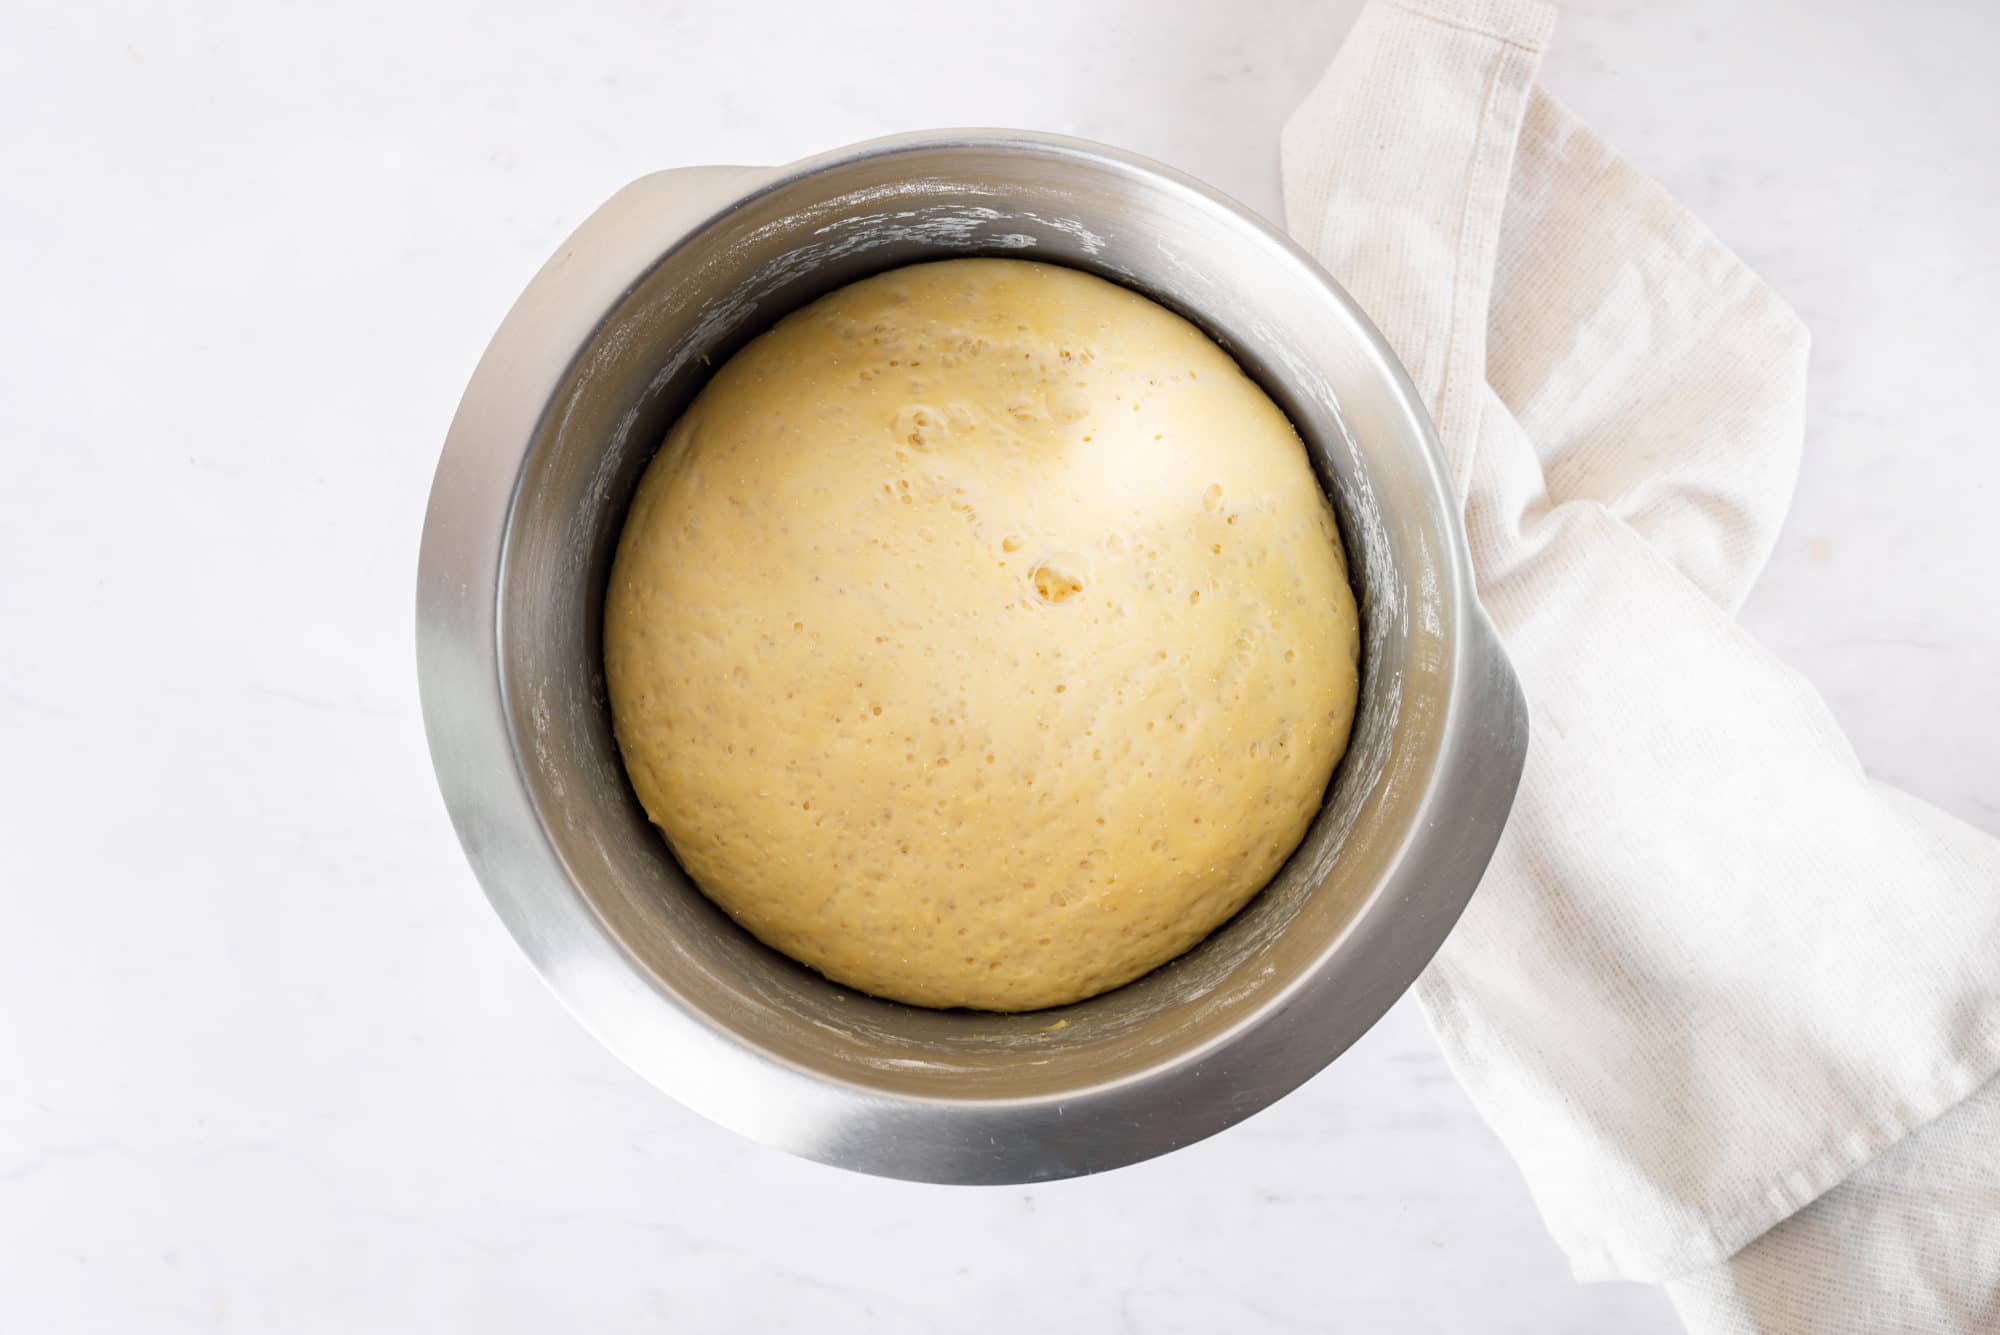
(603, 349)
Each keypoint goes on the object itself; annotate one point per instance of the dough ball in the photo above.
(981, 636)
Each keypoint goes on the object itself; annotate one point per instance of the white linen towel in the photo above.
(1714, 969)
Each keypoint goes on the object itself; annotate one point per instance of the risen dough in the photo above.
(980, 636)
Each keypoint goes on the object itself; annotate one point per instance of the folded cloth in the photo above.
(1909, 1245)
(1713, 969)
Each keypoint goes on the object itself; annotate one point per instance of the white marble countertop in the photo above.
(267, 1062)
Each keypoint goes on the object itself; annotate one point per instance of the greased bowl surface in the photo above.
(596, 360)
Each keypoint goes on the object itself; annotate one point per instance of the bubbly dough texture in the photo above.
(980, 636)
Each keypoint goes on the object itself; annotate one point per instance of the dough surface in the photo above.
(980, 636)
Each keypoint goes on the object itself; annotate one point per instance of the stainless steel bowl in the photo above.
(608, 343)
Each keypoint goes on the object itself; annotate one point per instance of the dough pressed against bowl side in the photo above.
(981, 636)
